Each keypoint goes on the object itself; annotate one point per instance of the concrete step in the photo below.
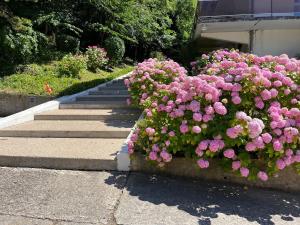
(93, 114)
(109, 92)
(113, 88)
(60, 153)
(103, 98)
(94, 105)
(70, 129)
(121, 84)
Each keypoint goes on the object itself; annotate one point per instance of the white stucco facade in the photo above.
(276, 42)
(265, 42)
(260, 26)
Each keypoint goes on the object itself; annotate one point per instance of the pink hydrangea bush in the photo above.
(150, 76)
(241, 108)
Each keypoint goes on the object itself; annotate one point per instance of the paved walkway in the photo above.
(52, 197)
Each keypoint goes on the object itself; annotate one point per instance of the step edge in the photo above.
(58, 163)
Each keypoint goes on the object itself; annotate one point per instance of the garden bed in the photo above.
(286, 180)
(37, 84)
(238, 108)
(32, 81)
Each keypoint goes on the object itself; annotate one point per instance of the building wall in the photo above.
(276, 42)
(235, 7)
(283, 6)
(236, 37)
(266, 42)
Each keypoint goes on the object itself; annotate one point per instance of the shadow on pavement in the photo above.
(205, 200)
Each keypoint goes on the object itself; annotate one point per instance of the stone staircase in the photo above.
(85, 134)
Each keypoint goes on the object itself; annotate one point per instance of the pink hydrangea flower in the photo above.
(236, 100)
(244, 171)
(262, 175)
(164, 130)
(197, 117)
(255, 127)
(150, 131)
(250, 147)
(280, 164)
(220, 108)
(199, 152)
(196, 129)
(277, 145)
(229, 153)
(167, 142)
(267, 138)
(203, 164)
(236, 165)
(203, 145)
(167, 157)
(266, 95)
(153, 155)
(260, 104)
(184, 128)
(234, 131)
(274, 92)
(172, 134)
(194, 106)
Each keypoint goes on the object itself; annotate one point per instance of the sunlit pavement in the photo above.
(42, 197)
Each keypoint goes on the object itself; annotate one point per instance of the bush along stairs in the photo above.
(85, 134)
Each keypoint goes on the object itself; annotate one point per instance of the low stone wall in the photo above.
(13, 103)
(287, 180)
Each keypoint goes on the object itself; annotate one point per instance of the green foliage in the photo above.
(158, 55)
(59, 22)
(115, 48)
(67, 43)
(19, 42)
(28, 28)
(31, 80)
(96, 58)
(70, 66)
(185, 15)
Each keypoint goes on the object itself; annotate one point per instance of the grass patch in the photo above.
(32, 79)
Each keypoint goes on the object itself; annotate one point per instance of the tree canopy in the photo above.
(144, 25)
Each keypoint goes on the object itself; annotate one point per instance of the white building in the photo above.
(260, 26)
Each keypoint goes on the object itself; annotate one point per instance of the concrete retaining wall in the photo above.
(287, 180)
(14, 103)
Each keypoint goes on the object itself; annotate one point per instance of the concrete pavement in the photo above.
(48, 197)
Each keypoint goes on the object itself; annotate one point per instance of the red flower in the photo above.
(48, 89)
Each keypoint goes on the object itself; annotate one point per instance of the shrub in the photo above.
(242, 109)
(96, 58)
(158, 55)
(149, 76)
(115, 48)
(71, 65)
(67, 43)
(199, 65)
(19, 43)
(32, 69)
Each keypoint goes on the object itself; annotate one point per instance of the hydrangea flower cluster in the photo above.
(240, 108)
(150, 76)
